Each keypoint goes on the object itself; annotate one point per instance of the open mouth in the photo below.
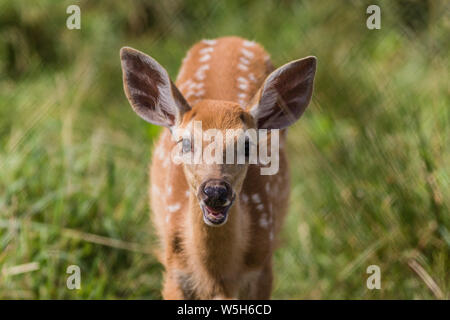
(215, 216)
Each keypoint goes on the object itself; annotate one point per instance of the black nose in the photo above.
(219, 192)
(216, 192)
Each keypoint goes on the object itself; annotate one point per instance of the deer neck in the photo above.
(217, 249)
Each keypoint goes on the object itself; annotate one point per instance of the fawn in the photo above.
(217, 223)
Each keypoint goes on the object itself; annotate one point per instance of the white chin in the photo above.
(213, 224)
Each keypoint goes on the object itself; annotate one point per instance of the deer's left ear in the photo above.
(284, 95)
(151, 93)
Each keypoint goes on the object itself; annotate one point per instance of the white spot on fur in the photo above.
(196, 86)
(243, 86)
(200, 93)
(263, 223)
(174, 207)
(242, 79)
(244, 60)
(248, 43)
(204, 58)
(242, 95)
(244, 197)
(193, 88)
(185, 84)
(189, 94)
(260, 207)
(206, 50)
(256, 198)
(169, 190)
(187, 193)
(200, 74)
(247, 53)
(242, 67)
(209, 42)
(252, 77)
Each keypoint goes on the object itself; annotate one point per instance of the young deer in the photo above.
(217, 223)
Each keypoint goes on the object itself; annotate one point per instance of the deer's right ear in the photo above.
(149, 89)
(284, 95)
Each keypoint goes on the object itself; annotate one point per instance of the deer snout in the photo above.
(216, 193)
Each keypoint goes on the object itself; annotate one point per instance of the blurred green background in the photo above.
(370, 158)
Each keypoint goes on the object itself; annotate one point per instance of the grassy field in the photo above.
(370, 158)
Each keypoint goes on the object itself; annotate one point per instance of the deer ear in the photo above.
(151, 93)
(284, 95)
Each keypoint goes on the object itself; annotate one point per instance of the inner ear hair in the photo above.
(151, 93)
(284, 95)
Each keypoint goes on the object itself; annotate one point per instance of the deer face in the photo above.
(215, 179)
(279, 102)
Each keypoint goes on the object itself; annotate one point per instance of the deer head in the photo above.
(280, 101)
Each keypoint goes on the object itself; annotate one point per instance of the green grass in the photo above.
(370, 158)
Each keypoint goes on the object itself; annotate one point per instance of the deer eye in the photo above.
(186, 145)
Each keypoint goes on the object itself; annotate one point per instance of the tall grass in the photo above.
(369, 159)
